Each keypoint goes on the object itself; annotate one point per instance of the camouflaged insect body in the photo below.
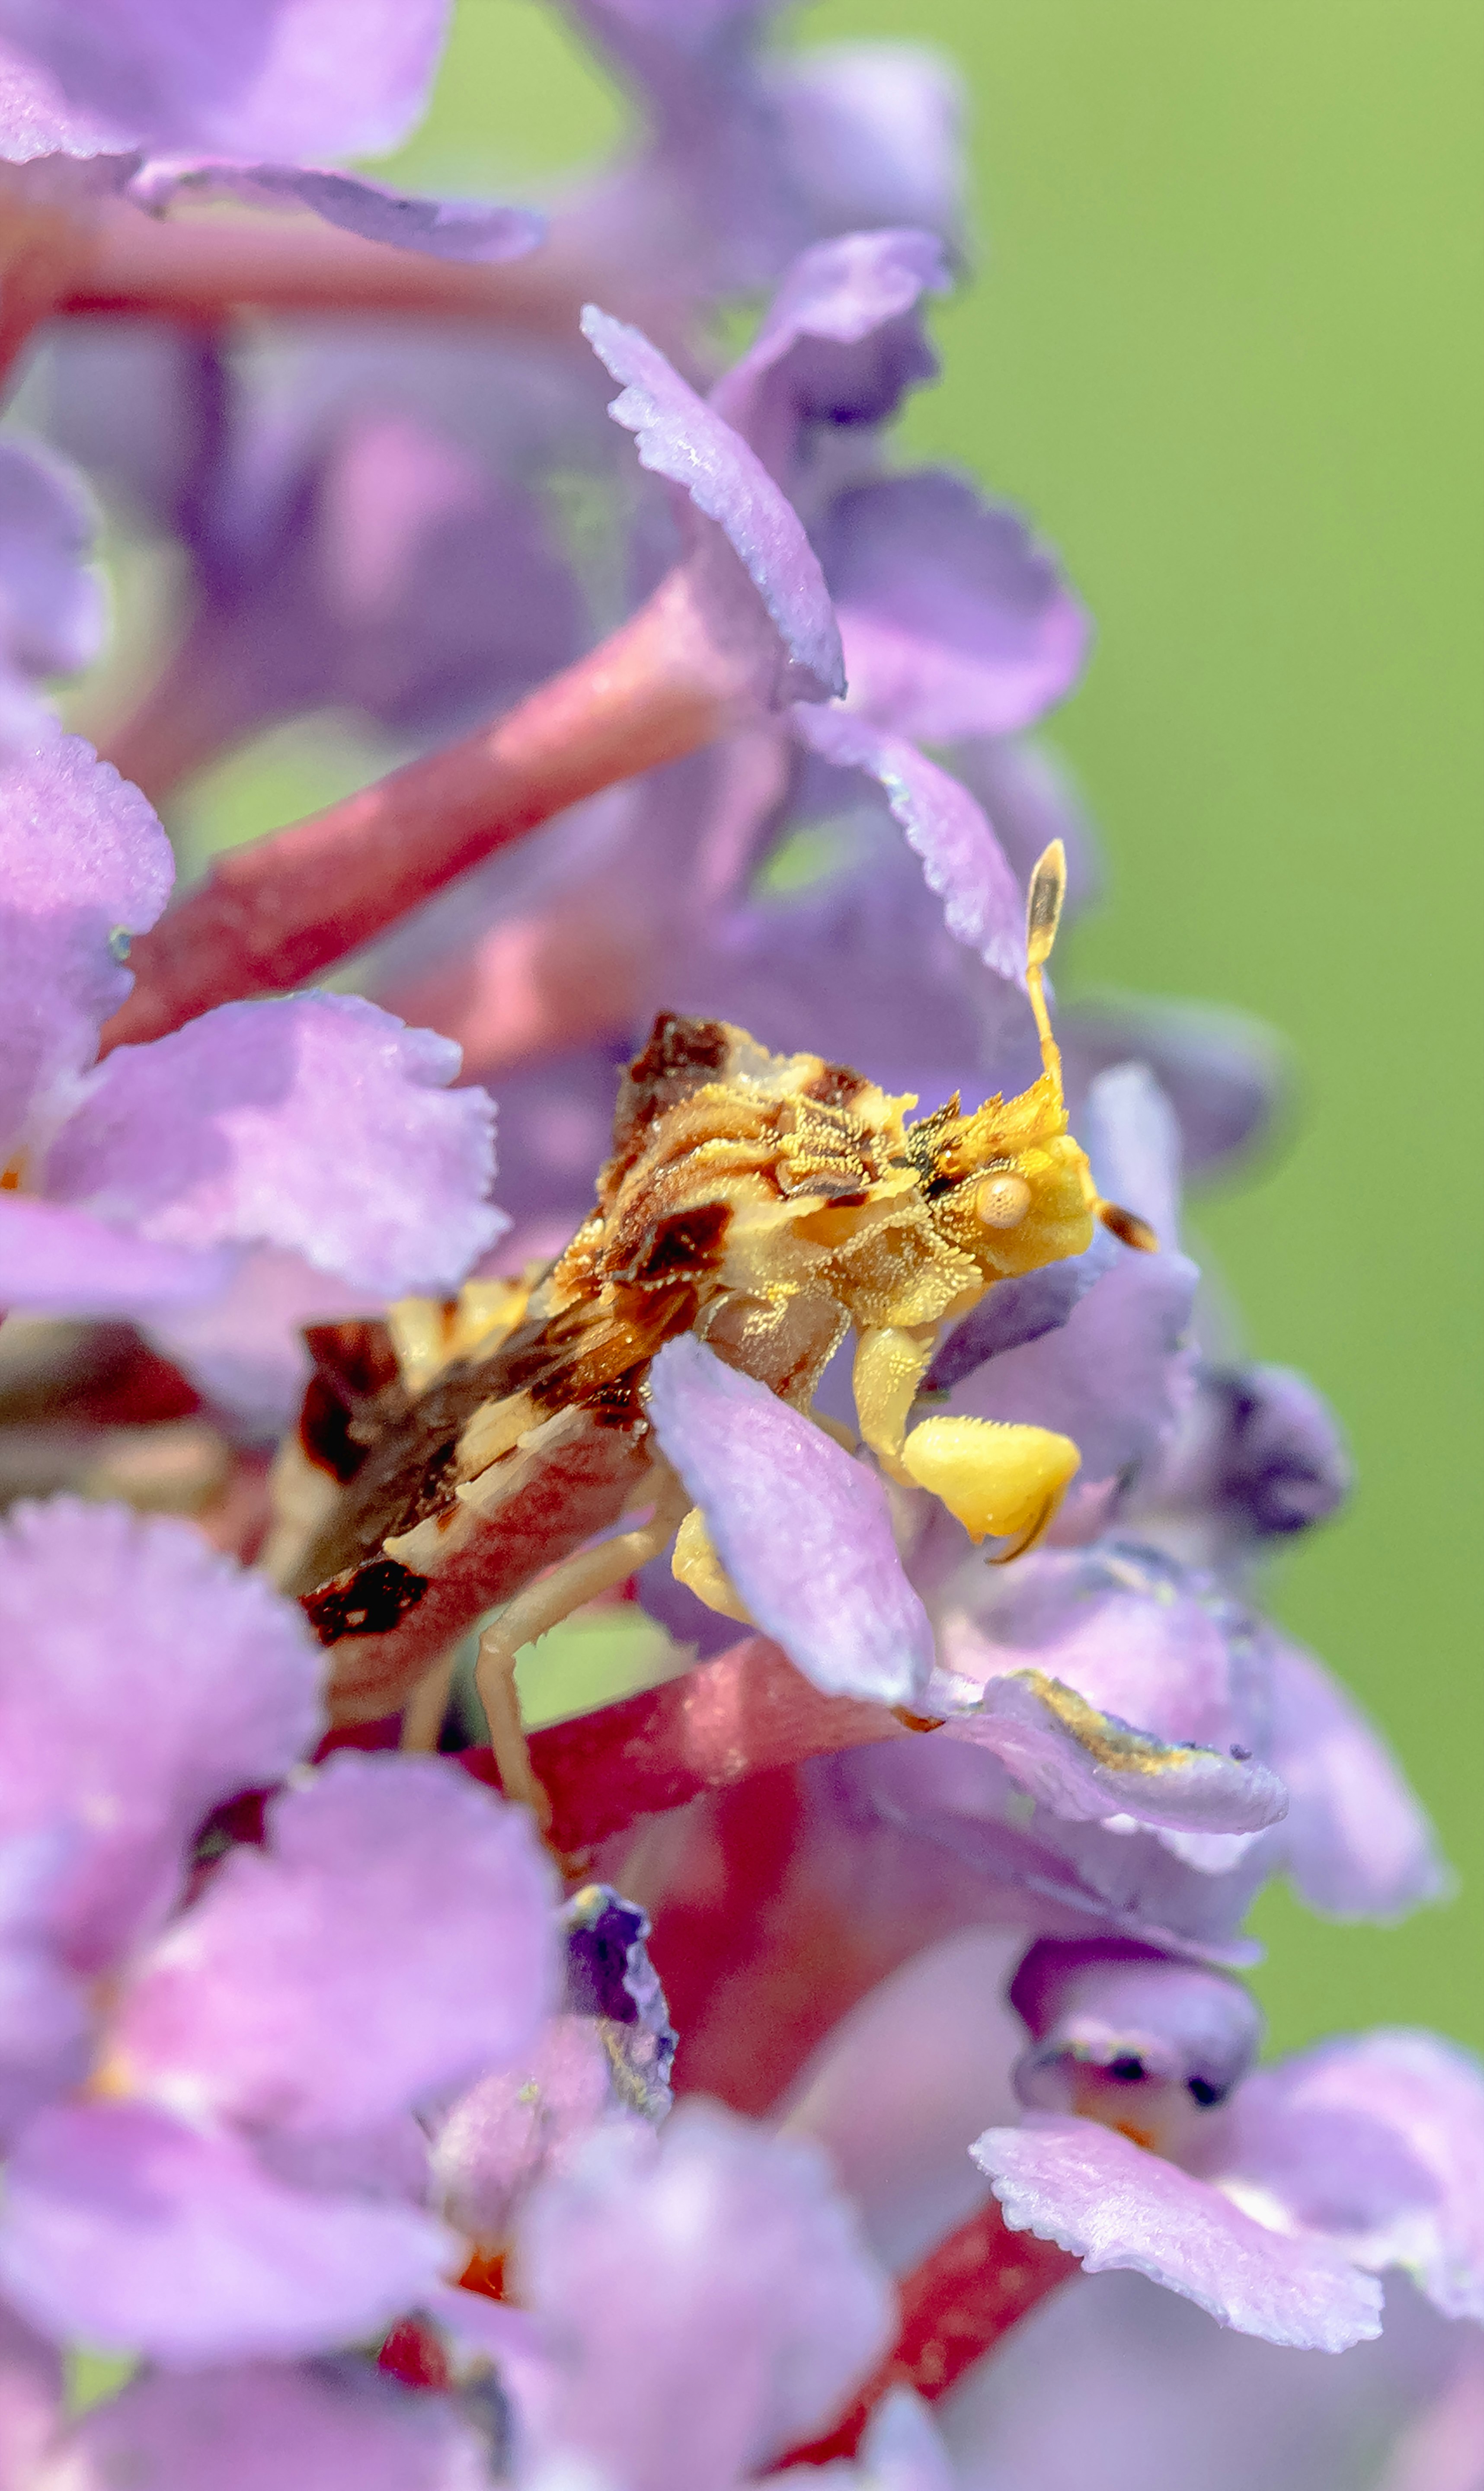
(767, 1203)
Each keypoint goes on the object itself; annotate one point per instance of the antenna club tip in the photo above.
(1128, 1227)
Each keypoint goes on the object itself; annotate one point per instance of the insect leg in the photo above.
(543, 1605)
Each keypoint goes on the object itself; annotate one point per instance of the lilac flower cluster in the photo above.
(712, 2118)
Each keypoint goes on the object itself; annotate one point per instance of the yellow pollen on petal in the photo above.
(999, 1482)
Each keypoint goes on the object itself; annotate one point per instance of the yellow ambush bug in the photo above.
(464, 1455)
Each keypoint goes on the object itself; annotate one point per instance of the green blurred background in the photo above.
(1223, 344)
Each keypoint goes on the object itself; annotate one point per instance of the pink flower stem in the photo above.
(273, 915)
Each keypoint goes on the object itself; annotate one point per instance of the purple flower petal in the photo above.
(471, 230)
(65, 1262)
(1085, 1763)
(45, 2012)
(962, 859)
(681, 437)
(143, 1681)
(37, 123)
(83, 864)
(511, 2129)
(1018, 1311)
(873, 133)
(318, 1123)
(267, 2428)
(244, 1346)
(1092, 2006)
(282, 78)
(52, 601)
(394, 1940)
(1225, 1072)
(30, 2399)
(802, 1530)
(1114, 2204)
(1357, 1845)
(1113, 1377)
(125, 2228)
(841, 343)
(710, 2294)
(1378, 2142)
(955, 622)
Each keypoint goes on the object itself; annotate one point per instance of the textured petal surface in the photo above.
(1378, 2142)
(840, 344)
(460, 229)
(1085, 1764)
(1113, 2205)
(955, 622)
(394, 1940)
(681, 437)
(1358, 1845)
(802, 1530)
(125, 2229)
(1016, 1311)
(708, 2297)
(45, 2012)
(318, 1123)
(269, 2429)
(270, 77)
(962, 859)
(37, 122)
(82, 859)
(242, 1346)
(54, 1261)
(143, 1681)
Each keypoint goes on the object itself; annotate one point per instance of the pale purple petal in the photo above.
(280, 79)
(955, 622)
(1098, 2005)
(37, 124)
(509, 2130)
(708, 2295)
(318, 1123)
(143, 1681)
(126, 2229)
(1019, 1310)
(1357, 1843)
(30, 2399)
(1134, 1632)
(45, 2012)
(52, 601)
(1378, 2142)
(962, 859)
(873, 133)
(801, 1529)
(1087, 1765)
(1113, 2205)
(1132, 1136)
(1226, 1073)
(478, 231)
(1031, 796)
(841, 342)
(1113, 1377)
(271, 2428)
(394, 1940)
(682, 438)
(83, 865)
(901, 2451)
(243, 1347)
(1287, 1464)
(54, 1261)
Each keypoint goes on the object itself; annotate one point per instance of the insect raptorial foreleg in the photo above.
(542, 1606)
(999, 1482)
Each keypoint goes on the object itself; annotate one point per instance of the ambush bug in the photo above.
(461, 1456)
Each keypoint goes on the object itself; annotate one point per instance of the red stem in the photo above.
(272, 915)
(966, 2293)
(741, 1714)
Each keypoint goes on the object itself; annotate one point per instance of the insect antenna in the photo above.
(1043, 914)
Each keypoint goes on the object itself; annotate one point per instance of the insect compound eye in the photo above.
(1001, 1201)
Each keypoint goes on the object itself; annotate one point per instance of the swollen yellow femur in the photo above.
(999, 1482)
